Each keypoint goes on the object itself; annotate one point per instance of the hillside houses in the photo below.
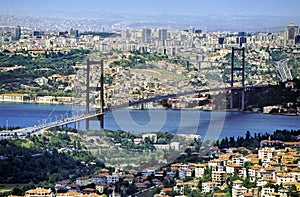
(272, 172)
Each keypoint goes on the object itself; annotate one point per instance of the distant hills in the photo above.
(110, 21)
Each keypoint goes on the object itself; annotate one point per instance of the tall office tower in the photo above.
(125, 34)
(162, 34)
(17, 33)
(290, 33)
(192, 29)
(146, 35)
(221, 40)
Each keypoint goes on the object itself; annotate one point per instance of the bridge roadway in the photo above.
(38, 129)
(161, 97)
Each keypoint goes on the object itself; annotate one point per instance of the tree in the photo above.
(186, 191)
(55, 177)
(248, 135)
(195, 193)
(292, 191)
(131, 190)
(17, 192)
(200, 184)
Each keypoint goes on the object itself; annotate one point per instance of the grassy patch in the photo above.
(4, 187)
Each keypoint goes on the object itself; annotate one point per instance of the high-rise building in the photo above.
(74, 32)
(242, 33)
(146, 35)
(162, 34)
(17, 33)
(198, 31)
(125, 34)
(192, 29)
(37, 34)
(290, 33)
(63, 33)
(297, 39)
(221, 40)
(242, 40)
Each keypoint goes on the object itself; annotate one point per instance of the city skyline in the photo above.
(155, 7)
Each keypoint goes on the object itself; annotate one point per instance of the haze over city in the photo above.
(158, 7)
(213, 15)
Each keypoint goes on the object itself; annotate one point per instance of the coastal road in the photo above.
(283, 69)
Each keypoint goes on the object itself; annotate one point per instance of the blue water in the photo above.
(209, 124)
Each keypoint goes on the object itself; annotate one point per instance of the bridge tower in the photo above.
(239, 68)
(99, 88)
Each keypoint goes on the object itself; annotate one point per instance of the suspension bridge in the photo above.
(99, 113)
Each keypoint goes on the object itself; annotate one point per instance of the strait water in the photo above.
(211, 124)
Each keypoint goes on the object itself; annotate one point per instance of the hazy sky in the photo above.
(171, 7)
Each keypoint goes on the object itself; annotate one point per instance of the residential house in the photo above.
(100, 178)
(231, 168)
(165, 190)
(140, 186)
(101, 187)
(82, 181)
(219, 177)
(254, 173)
(13, 97)
(266, 154)
(185, 173)
(267, 191)
(68, 194)
(238, 190)
(112, 178)
(284, 177)
(39, 192)
(236, 159)
(61, 185)
(149, 171)
(208, 187)
(88, 190)
(268, 173)
(215, 162)
(216, 194)
(199, 170)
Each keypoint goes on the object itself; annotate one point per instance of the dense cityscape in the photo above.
(54, 61)
(145, 62)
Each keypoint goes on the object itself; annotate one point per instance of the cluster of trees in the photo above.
(260, 97)
(44, 65)
(36, 159)
(253, 142)
(126, 139)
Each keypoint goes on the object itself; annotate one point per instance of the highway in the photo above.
(283, 69)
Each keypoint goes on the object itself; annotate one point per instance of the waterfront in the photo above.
(192, 121)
